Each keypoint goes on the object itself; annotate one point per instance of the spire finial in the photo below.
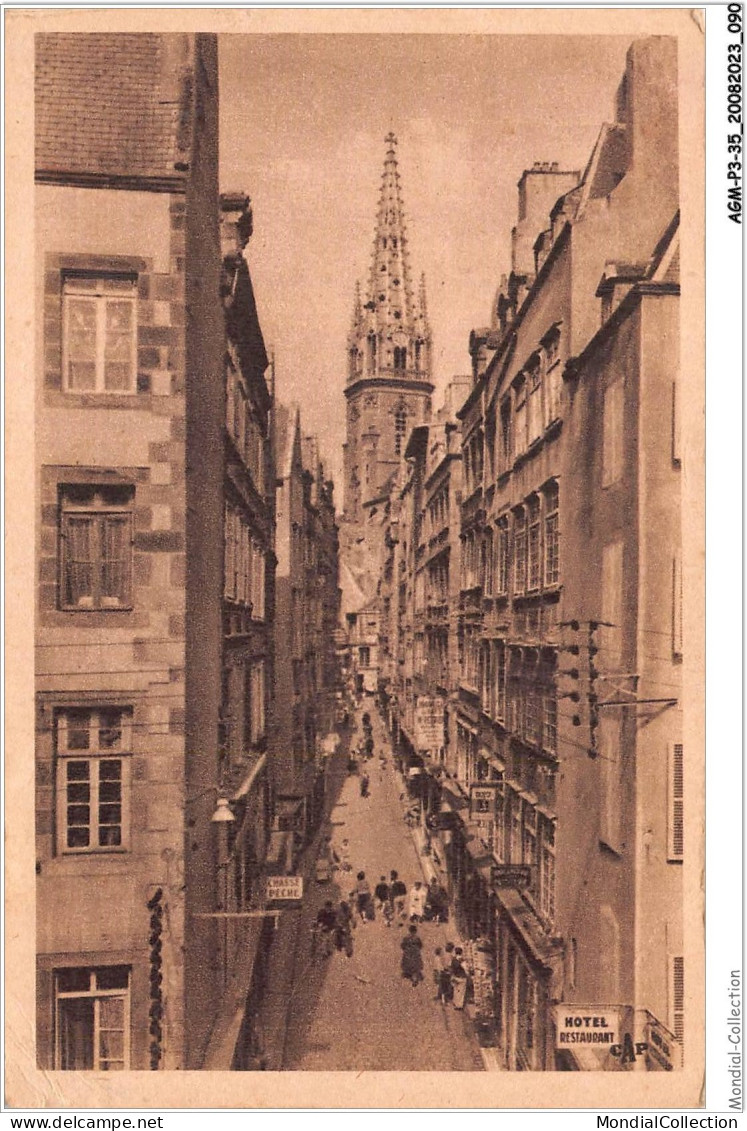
(391, 141)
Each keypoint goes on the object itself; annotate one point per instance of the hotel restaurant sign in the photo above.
(429, 723)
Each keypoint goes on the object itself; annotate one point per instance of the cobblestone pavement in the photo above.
(359, 1013)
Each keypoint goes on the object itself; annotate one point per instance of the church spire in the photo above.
(390, 334)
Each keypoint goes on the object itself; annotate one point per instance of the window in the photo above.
(258, 582)
(550, 720)
(500, 682)
(488, 563)
(547, 870)
(520, 551)
(257, 700)
(96, 547)
(676, 803)
(400, 428)
(552, 377)
(92, 1019)
(534, 411)
(501, 569)
(400, 357)
(552, 536)
(99, 335)
(612, 442)
(520, 408)
(514, 829)
(505, 439)
(535, 547)
(530, 842)
(93, 779)
(499, 835)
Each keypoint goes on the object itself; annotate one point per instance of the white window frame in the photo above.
(547, 869)
(94, 754)
(551, 548)
(93, 288)
(123, 993)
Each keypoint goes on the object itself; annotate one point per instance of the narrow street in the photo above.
(359, 1013)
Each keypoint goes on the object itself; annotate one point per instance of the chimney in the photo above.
(236, 223)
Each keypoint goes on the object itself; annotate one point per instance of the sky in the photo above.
(303, 122)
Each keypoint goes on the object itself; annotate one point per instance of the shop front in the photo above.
(529, 981)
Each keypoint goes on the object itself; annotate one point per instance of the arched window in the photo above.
(400, 357)
(400, 428)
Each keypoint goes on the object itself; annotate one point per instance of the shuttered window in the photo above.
(676, 803)
(677, 996)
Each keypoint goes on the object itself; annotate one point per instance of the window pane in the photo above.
(78, 838)
(112, 978)
(111, 1009)
(81, 343)
(78, 565)
(76, 1033)
(68, 981)
(110, 814)
(77, 770)
(110, 738)
(78, 733)
(115, 559)
(118, 359)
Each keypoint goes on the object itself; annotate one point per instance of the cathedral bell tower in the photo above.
(388, 388)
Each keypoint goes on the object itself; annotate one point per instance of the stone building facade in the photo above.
(308, 611)
(134, 630)
(556, 805)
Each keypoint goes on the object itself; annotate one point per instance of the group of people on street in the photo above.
(450, 975)
(334, 928)
(391, 899)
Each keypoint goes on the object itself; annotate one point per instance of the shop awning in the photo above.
(452, 795)
(279, 853)
(476, 846)
(250, 778)
(528, 927)
(225, 1034)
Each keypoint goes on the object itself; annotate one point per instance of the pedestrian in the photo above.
(326, 921)
(363, 902)
(412, 956)
(381, 893)
(365, 780)
(344, 856)
(344, 928)
(397, 895)
(442, 975)
(416, 903)
(458, 975)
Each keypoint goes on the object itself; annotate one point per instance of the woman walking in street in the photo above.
(416, 904)
(412, 956)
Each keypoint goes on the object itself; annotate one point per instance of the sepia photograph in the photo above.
(365, 536)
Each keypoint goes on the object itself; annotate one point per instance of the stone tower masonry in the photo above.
(388, 389)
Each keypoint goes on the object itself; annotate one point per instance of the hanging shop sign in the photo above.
(587, 1026)
(429, 723)
(663, 1050)
(482, 804)
(518, 876)
(284, 887)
